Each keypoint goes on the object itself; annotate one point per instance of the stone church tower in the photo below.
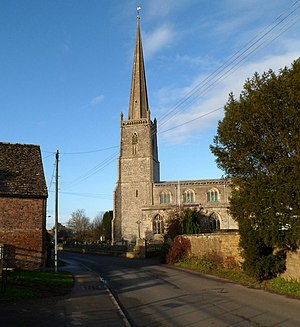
(138, 165)
(143, 203)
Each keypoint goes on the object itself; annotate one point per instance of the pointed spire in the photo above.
(138, 104)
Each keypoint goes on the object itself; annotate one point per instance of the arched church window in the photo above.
(188, 196)
(165, 197)
(158, 225)
(212, 195)
(214, 221)
(134, 143)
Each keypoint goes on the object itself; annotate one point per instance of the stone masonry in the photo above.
(142, 203)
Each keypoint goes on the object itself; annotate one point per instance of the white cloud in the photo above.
(159, 8)
(160, 38)
(66, 48)
(196, 108)
(96, 100)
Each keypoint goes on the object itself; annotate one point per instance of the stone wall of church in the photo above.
(134, 196)
(148, 216)
(217, 206)
(117, 215)
(134, 190)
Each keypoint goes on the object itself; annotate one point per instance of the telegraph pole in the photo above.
(56, 209)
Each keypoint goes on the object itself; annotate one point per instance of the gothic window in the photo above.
(214, 221)
(134, 142)
(165, 197)
(188, 196)
(212, 196)
(158, 225)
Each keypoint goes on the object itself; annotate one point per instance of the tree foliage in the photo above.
(258, 147)
(83, 230)
(188, 221)
(106, 224)
(80, 225)
(96, 227)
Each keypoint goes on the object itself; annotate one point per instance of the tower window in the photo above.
(134, 143)
(136, 193)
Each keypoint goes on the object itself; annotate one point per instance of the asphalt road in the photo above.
(152, 294)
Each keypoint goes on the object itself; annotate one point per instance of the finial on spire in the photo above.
(138, 8)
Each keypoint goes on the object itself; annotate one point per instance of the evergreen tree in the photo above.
(258, 147)
(106, 224)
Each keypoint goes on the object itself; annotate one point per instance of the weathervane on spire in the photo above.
(138, 8)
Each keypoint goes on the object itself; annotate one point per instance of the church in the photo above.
(142, 202)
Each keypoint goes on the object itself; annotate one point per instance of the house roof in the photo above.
(21, 171)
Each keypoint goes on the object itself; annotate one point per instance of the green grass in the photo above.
(280, 285)
(33, 284)
(277, 285)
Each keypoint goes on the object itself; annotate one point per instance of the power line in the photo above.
(91, 151)
(191, 120)
(262, 39)
(225, 69)
(80, 152)
(93, 170)
(52, 177)
(87, 195)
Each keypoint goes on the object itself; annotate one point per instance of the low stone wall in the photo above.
(223, 245)
(292, 266)
(226, 246)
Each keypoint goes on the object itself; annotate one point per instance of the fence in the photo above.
(3, 267)
(152, 250)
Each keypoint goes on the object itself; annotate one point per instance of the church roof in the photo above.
(138, 104)
(21, 171)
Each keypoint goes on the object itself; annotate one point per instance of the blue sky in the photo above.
(65, 73)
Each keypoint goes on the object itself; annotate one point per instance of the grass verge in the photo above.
(33, 284)
(277, 285)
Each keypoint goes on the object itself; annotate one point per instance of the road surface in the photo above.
(152, 294)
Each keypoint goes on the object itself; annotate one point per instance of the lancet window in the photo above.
(158, 225)
(134, 143)
(214, 221)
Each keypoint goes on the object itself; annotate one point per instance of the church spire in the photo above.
(138, 104)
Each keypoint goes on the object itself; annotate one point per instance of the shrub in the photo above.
(260, 259)
(215, 258)
(230, 262)
(181, 248)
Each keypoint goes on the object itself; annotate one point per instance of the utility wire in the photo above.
(52, 177)
(93, 170)
(88, 195)
(91, 151)
(219, 73)
(262, 39)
